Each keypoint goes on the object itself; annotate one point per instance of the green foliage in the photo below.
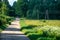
(4, 19)
(37, 9)
(33, 36)
(46, 38)
(0, 4)
(21, 7)
(50, 31)
(41, 32)
(3, 27)
(28, 27)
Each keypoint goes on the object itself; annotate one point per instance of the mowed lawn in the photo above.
(42, 22)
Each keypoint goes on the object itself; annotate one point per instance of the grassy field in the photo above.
(41, 22)
(40, 29)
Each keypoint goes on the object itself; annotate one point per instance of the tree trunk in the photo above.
(46, 15)
(37, 14)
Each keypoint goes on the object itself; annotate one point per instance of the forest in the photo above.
(37, 9)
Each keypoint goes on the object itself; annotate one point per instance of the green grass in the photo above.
(22, 22)
(0, 30)
(41, 22)
(40, 29)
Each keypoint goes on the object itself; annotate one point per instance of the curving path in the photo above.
(13, 32)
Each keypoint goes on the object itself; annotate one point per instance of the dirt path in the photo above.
(13, 32)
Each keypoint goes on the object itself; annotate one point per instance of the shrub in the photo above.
(38, 33)
(28, 27)
(46, 38)
(9, 19)
(27, 31)
(3, 21)
(50, 30)
(3, 27)
(33, 36)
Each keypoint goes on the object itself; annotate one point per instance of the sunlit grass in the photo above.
(22, 22)
(0, 30)
(41, 22)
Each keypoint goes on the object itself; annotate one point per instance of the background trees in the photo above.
(21, 7)
(38, 9)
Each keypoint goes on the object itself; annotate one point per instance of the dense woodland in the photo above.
(37, 9)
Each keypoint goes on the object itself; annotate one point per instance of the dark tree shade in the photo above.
(37, 8)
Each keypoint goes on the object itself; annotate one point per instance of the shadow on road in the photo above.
(12, 29)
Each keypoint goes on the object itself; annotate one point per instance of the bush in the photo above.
(51, 31)
(3, 21)
(46, 38)
(33, 36)
(58, 38)
(3, 27)
(9, 19)
(38, 33)
(27, 31)
(28, 27)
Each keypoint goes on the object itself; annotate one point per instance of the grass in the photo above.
(41, 22)
(40, 29)
(22, 22)
(0, 30)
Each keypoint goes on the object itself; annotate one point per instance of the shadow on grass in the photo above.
(3, 27)
(28, 27)
(34, 36)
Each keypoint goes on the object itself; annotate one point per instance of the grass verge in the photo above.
(40, 30)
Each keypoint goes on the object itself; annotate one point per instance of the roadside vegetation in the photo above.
(5, 20)
(40, 30)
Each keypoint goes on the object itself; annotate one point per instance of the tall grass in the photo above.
(41, 22)
(40, 30)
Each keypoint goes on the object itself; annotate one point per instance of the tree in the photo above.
(4, 19)
(37, 9)
(8, 6)
(13, 10)
(21, 8)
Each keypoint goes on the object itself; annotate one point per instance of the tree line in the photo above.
(37, 9)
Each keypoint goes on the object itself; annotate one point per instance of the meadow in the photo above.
(40, 29)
